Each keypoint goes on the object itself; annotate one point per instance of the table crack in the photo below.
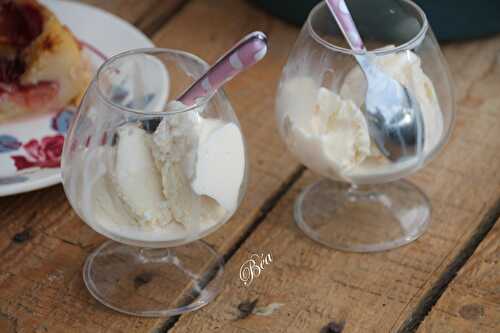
(430, 298)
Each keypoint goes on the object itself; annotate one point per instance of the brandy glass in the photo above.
(362, 204)
(154, 176)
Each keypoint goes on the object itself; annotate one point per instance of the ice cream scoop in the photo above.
(392, 112)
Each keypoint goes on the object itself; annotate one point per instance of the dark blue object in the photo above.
(450, 19)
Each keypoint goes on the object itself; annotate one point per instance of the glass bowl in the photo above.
(361, 204)
(154, 176)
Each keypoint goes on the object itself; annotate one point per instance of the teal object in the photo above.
(450, 19)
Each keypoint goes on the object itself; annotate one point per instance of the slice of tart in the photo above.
(41, 63)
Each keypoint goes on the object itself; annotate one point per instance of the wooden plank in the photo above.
(40, 278)
(129, 10)
(159, 13)
(471, 303)
(379, 292)
(147, 15)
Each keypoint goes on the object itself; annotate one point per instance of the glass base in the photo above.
(148, 282)
(369, 218)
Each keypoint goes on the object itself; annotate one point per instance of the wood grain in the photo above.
(377, 292)
(43, 243)
(147, 15)
(471, 303)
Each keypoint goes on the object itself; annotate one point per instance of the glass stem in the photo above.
(156, 255)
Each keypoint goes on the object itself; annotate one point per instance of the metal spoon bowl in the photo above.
(392, 112)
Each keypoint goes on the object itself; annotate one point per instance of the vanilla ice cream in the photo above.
(137, 181)
(328, 131)
(161, 186)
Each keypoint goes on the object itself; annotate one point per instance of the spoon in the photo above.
(392, 112)
(244, 54)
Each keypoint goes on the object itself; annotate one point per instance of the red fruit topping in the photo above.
(11, 69)
(19, 23)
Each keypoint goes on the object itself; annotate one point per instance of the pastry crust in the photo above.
(43, 74)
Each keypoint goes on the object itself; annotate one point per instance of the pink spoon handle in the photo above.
(346, 23)
(247, 52)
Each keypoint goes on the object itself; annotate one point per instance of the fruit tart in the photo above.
(41, 63)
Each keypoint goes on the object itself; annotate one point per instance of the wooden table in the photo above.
(447, 281)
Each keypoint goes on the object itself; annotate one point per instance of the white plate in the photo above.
(42, 136)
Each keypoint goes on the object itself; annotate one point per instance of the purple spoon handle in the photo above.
(247, 52)
(346, 23)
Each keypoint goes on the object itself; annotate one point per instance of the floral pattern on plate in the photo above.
(40, 153)
(45, 153)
